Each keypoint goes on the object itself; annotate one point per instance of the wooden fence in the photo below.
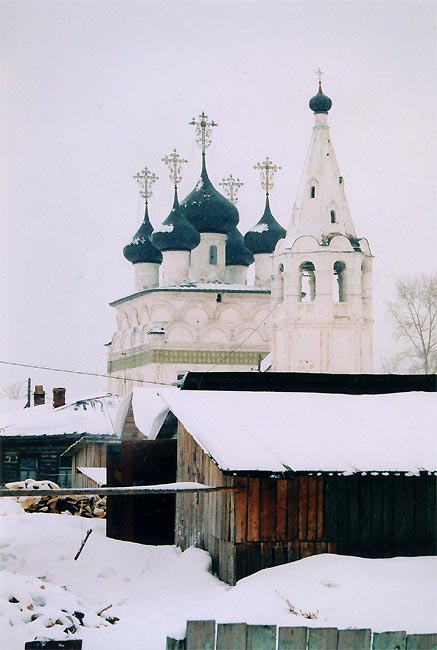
(206, 635)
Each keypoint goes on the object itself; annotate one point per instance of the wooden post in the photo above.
(231, 635)
(422, 642)
(292, 638)
(261, 636)
(200, 635)
(354, 640)
(322, 638)
(389, 641)
(175, 644)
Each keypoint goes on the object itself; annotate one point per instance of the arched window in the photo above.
(333, 219)
(213, 255)
(307, 282)
(338, 293)
(313, 191)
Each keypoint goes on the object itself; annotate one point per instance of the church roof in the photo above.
(237, 254)
(320, 103)
(320, 209)
(264, 236)
(176, 233)
(208, 210)
(197, 287)
(141, 249)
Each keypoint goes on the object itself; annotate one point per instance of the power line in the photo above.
(80, 372)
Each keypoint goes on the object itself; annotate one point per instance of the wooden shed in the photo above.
(306, 473)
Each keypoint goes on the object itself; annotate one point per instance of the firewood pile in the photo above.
(80, 506)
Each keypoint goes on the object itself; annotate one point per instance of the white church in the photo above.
(309, 308)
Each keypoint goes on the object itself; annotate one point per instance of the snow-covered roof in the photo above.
(217, 287)
(91, 416)
(301, 432)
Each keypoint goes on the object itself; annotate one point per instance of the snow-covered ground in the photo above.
(155, 590)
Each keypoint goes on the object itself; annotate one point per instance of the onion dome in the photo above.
(208, 210)
(176, 233)
(320, 103)
(141, 250)
(264, 236)
(236, 252)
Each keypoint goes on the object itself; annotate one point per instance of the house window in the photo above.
(338, 283)
(313, 192)
(307, 282)
(213, 255)
(333, 216)
(64, 474)
(28, 467)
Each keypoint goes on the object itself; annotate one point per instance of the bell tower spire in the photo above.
(322, 272)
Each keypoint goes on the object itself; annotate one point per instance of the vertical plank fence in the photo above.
(206, 635)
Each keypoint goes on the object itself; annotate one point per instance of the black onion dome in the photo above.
(264, 236)
(208, 210)
(176, 233)
(320, 103)
(236, 252)
(141, 250)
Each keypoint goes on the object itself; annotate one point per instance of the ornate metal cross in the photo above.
(268, 170)
(145, 179)
(203, 130)
(174, 163)
(319, 73)
(231, 187)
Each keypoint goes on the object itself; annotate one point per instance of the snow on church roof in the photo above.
(217, 287)
(310, 432)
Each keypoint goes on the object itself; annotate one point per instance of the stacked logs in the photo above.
(80, 506)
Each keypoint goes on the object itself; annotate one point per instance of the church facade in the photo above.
(309, 308)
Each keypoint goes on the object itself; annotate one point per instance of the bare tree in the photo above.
(14, 390)
(414, 314)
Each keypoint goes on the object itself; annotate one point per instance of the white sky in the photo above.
(93, 91)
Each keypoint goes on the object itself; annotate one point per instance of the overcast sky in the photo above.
(93, 91)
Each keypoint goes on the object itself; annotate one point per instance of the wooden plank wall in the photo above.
(205, 520)
(206, 635)
(278, 521)
(93, 454)
(382, 516)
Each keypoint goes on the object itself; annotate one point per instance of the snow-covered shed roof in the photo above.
(91, 416)
(301, 432)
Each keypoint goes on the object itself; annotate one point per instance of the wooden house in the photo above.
(305, 472)
(33, 441)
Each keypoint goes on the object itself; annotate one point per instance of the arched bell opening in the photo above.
(307, 282)
(338, 282)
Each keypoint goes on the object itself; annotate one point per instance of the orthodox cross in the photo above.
(145, 179)
(231, 187)
(319, 73)
(203, 131)
(174, 163)
(268, 170)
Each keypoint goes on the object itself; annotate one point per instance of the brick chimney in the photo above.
(58, 397)
(39, 396)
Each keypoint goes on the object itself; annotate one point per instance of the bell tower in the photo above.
(322, 286)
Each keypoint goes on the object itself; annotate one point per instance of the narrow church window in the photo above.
(213, 255)
(313, 192)
(340, 180)
(307, 282)
(219, 297)
(338, 282)
(333, 216)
